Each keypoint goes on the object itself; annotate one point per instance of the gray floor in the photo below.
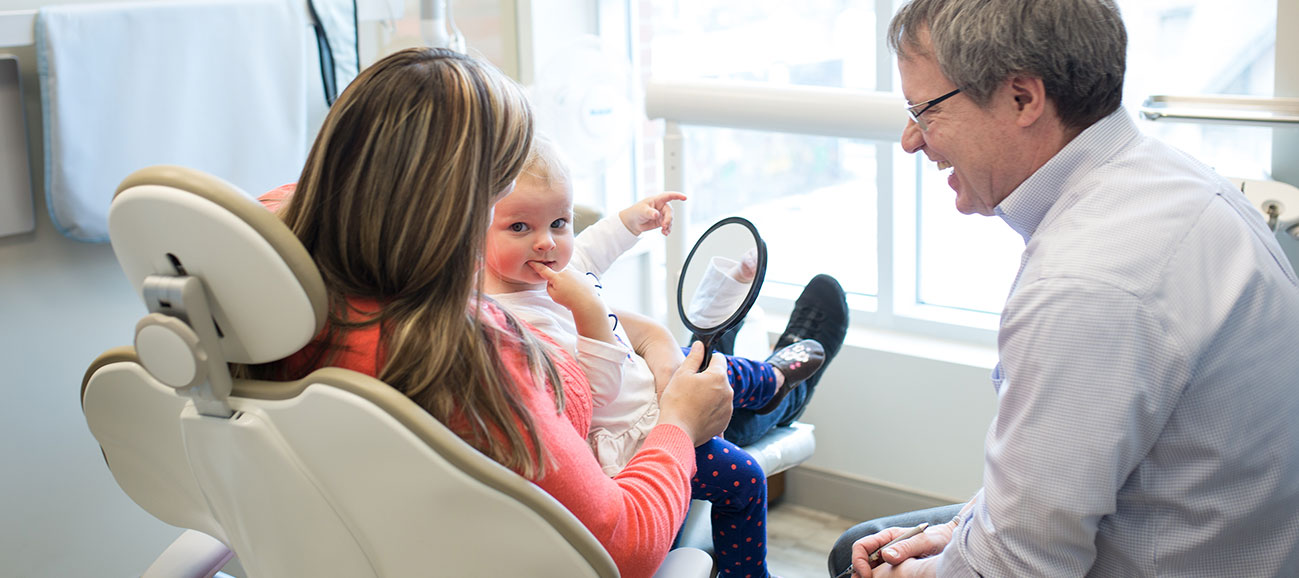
(799, 539)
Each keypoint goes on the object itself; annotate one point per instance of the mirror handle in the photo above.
(710, 345)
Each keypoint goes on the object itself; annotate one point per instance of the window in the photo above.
(969, 263)
(883, 221)
(781, 182)
(1169, 54)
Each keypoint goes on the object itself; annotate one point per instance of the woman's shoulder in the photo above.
(275, 198)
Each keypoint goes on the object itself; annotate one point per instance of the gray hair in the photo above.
(1077, 47)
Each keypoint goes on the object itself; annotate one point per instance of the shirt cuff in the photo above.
(624, 237)
(611, 352)
(954, 561)
(954, 566)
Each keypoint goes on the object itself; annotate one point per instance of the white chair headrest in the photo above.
(267, 297)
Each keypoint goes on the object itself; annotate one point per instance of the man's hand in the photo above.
(650, 213)
(911, 568)
(906, 558)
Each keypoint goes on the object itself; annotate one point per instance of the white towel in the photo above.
(216, 85)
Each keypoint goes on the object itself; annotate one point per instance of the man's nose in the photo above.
(912, 138)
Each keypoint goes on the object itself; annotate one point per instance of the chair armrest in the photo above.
(686, 563)
(193, 555)
(784, 447)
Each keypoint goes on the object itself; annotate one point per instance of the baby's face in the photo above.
(534, 223)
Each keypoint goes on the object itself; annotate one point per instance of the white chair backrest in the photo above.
(336, 474)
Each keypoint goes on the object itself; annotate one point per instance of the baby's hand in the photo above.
(650, 213)
(570, 288)
(747, 268)
(577, 292)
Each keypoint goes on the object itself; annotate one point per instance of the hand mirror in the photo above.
(720, 280)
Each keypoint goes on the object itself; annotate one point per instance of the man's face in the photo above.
(533, 223)
(975, 143)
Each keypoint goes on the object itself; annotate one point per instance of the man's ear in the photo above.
(1030, 98)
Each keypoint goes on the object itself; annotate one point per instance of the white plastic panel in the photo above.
(136, 421)
(331, 473)
(686, 563)
(325, 484)
(279, 522)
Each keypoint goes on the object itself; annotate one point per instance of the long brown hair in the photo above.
(393, 204)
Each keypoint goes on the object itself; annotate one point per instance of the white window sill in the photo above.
(902, 343)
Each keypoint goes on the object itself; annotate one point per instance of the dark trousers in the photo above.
(728, 477)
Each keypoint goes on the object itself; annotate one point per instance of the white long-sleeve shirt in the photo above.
(1148, 384)
(623, 395)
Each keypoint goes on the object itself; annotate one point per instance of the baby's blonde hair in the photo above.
(545, 163)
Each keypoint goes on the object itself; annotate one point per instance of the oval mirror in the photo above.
(720, 280)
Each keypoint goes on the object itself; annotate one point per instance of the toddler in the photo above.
(539, 271)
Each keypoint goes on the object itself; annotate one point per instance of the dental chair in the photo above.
(336, 474)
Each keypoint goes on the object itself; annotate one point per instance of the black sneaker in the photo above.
(820, 313)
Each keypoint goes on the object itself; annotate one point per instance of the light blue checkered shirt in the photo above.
(1148, 389)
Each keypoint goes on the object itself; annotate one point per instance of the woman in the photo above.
(393, 205)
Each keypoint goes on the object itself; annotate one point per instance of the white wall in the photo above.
(62, 303)
(897, 428)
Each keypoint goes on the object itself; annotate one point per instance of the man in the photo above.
(1148, 383)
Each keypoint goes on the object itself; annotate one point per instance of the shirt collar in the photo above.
(1029, 203)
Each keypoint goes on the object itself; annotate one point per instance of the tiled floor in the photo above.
(799, 539)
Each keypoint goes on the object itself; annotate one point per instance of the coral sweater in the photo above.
(636, 514)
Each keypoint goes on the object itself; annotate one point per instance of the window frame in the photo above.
(896, 306)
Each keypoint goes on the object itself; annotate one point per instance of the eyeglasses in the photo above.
(916, 110)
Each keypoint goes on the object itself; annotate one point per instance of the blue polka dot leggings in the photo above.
(728, 477)
(754, 382)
